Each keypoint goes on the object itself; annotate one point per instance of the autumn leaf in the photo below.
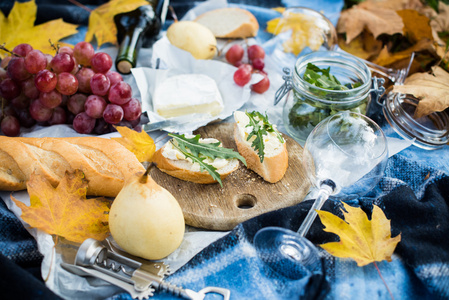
(305, 31)
(365, 241)
(101, 20)
(139, 143)
(432, 90)
(19, 28)
(378, 20)
(64, 210)
(364, 45)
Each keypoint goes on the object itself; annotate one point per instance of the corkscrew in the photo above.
(139, 277)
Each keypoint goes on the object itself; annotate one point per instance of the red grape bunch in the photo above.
(76, 86)
(242, 75)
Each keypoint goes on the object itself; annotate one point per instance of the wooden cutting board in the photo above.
(244, 194)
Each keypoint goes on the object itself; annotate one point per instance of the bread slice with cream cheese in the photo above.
(275, 158)
(171, 161)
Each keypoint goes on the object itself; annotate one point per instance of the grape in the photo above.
(29, 88)
(5, 61)
(67, 83)
(94, 106)
(9, 89)
(114, 77)
(58, 117)
(262, 86)
(62, 62)
(39, 112)
(16, 69)
(35, 61)
(75, 104)
(99, 84)
(83, 52)
(84, 76)
(102, 127)
(132, 109)
(120, 93)
(235, 54)
(51, 99)
(82, 123)
(10, 126)
(8, 111)
(113, 113)
(101, 62)
(255, 51)
(76, 67)
(21, 102)
(45, 81)
(49, 58)
(66, 49)
(243, 75)
(22, 49)
(3, 74)
(25, 118)
(258, 64)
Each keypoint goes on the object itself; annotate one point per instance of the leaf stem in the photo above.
(80, 5)
(386, 285)
(51, 258)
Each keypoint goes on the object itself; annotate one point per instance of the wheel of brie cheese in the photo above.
(187, 94)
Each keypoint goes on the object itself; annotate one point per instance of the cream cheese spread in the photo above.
(186, 94)
(271, 141)
(170, 152)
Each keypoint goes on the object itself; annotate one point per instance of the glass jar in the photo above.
(306, 104)
(429, 132)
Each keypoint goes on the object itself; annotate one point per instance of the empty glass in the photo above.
(344, 157)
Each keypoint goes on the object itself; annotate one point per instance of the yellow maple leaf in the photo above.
(306, 31)
(363, 240)
(101, 20)
(431, 89)
(139, 143)
(64, 210)
(19, 28)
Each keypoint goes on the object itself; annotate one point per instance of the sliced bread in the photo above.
(169, 163)
(275, 162)
(230, 22)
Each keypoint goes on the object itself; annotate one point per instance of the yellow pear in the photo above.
(194, 38)
(145, 219)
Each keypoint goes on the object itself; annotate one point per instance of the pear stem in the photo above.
(145, 175)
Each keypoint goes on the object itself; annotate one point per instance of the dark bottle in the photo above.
(141, 25)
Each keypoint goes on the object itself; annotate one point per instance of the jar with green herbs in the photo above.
(322, 84)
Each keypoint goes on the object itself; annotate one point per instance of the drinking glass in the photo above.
(344, 157)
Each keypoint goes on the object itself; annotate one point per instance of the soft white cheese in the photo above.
(170, 152)
(271, 142)
(186, 94)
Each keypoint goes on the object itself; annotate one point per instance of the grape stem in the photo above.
(2, 47)
(55, 47)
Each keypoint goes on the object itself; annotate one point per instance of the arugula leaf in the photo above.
(192, 148)
(259, 130)
(324, 80)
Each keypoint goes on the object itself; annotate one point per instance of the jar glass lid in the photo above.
(428, 132)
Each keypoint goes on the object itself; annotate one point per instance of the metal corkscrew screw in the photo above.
(139, 277)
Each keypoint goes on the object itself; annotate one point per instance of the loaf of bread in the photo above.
(172, 162)
(230, 22)
(275, 162)
(105, 162)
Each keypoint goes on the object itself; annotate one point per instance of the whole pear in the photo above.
(194, 38)
(145, 219)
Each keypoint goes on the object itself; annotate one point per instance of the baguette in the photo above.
(105, 162)
(275, 162)
(230, 22)
(184, 169)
